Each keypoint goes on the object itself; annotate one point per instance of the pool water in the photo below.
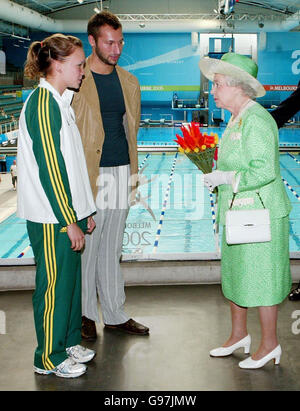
(156, 136)
(175, 217)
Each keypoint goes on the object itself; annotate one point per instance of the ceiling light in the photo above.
(80, 1)
(96, 10)
(20, 37)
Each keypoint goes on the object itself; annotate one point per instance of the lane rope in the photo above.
(286, 183)
(291, 189)
(213, 213)
(215, 225)
(144, 161)
(165, 202)
(294, 158)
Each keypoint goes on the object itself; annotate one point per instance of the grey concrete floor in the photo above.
(185, 321)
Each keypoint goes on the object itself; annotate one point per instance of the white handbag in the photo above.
(247, 226)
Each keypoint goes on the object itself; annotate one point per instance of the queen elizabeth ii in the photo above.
(253, 274)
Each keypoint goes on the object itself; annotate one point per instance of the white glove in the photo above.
(217, 177)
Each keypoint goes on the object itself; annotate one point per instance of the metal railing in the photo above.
(6, 127)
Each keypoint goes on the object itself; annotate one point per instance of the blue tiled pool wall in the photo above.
(289, 136)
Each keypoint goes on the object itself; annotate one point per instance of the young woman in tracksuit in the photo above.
(55, 198)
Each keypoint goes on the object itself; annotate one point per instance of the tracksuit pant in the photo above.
(57, 296)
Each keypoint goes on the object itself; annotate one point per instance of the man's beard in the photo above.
(103, 59)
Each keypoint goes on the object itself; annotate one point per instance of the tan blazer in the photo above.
(88, 118)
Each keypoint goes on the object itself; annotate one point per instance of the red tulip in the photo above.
(181, 142)
(189, 140)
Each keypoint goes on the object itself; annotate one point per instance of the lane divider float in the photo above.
(294, 158)
(213, 213)
(290, 188)
(143, 162)
(24, 251)
(165, 202)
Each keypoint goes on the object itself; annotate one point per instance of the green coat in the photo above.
(255, 274)
(249, 146)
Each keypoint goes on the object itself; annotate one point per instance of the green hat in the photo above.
(234, 65)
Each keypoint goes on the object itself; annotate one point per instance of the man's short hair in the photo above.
(101, 19)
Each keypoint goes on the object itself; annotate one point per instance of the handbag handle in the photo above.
(235, 193)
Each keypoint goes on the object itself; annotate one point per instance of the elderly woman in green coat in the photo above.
(256, 274)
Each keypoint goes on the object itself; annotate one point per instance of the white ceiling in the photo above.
(73, 7)
(159, 15)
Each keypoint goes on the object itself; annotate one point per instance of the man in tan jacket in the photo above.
(107, 109)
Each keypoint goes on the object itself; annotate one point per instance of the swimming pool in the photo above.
(164, 136)
(175, 219)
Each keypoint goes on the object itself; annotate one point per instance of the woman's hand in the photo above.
(76, 237)
(217, 178)
(90, 225)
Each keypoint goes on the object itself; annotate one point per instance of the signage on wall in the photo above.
(296, 64)
(170, 88)
(279, 87)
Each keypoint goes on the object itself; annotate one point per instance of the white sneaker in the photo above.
(67, 369)
(80, 354)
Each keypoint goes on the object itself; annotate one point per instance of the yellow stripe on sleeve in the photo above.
(55, 161)
(51, 158)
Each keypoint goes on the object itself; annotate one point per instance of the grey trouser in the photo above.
(101, 273)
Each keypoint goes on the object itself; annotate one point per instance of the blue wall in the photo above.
(169, 62)
(279, 63)
(166, 60)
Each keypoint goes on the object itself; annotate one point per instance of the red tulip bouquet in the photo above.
(200, 148)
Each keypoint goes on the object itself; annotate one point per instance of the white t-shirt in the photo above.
(13, 170)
